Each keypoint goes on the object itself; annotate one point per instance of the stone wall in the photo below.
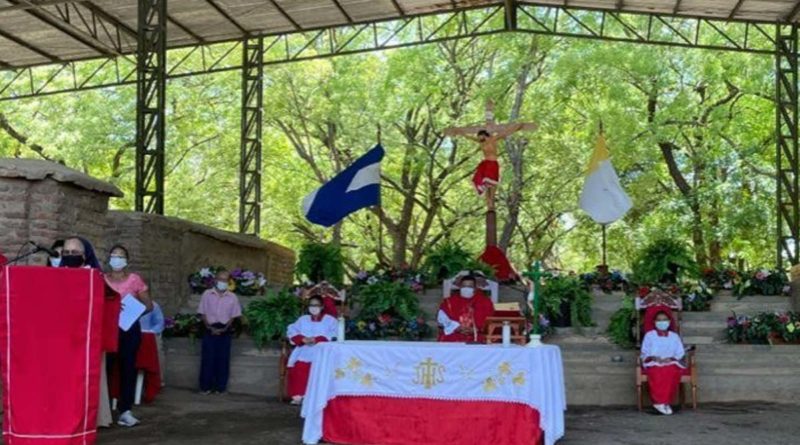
(41, 201)
(167, 250)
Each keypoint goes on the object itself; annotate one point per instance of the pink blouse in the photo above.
(133, 285)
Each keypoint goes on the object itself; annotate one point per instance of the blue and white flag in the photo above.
(356, 187)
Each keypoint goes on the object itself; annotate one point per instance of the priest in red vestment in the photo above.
(462, 316)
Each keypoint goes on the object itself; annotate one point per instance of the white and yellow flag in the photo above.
(603, 197)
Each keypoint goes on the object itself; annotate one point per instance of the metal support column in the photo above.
(150, 102)
(787, 163)
(250, 163)
(510, 7)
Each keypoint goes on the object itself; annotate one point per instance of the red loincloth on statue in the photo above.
(496, 258)
(50, 337)
(487, 174)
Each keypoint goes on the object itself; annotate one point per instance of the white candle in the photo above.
(340, 331)
(506, 334)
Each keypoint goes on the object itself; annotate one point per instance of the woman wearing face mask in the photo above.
(662, 354)
(57, 247)
(127, 283)
(462, 316)
(304, 333)
(219, 307)
(79, 253)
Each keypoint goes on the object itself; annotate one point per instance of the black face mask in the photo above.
(73, 261)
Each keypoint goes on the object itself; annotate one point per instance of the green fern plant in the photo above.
(321, 262)
(382, 297)
(267, 318)
(663, 260)
(447, 259)
(620, 327)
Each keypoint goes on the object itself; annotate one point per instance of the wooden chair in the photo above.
(661, 298)
(283, 368)
(519, 328)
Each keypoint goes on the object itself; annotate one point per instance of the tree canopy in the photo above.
(691, 134)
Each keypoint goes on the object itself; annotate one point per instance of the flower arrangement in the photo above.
(722, 278)
(387, 326)
(696, 297)
(764, 282)
(766, 327)
(243, 282)
(403, 274)
(615, 281)
(183, 325)
(203, 279)
(248, 283)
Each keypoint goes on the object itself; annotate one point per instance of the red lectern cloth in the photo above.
(400, 421)
(50, 341)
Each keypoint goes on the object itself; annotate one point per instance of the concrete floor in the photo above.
(183, 418)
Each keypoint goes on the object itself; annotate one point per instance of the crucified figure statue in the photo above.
(487, 175)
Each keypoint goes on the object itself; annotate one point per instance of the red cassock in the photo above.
(50, 331)
(487, 174)
(468, 312)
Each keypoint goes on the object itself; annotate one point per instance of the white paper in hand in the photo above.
(132, 309)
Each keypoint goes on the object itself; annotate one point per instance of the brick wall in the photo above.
(45, 210)
(167, 250)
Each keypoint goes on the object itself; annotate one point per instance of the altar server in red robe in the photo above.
(462, 316)
(307, 331)
(662, 358)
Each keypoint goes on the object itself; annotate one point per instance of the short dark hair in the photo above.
(122, 248)
(469, 277)
(483, 133)
(315, 297)
(59, 243)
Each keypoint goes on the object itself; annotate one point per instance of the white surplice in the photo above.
(326, 327)
(668, 346)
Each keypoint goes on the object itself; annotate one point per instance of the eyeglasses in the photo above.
(71, 252)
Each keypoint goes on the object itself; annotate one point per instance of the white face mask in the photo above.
(117, 263)
(222, 286)
(314, 310)
(467, 292)
(55, 261)
(662, 325)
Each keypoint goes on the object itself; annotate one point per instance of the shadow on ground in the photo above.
(184, 418)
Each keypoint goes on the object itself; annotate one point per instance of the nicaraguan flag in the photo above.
(356, 187)
(603, 197)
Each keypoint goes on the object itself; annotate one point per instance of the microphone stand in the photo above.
(22, 257)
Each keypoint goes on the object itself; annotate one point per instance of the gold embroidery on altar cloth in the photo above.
(503, 378)
(429, 373)
(354, 372)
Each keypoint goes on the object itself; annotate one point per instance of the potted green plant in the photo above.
(267, 318)
(567, 302)
(448, 259)
(664, 260)
(319, 262)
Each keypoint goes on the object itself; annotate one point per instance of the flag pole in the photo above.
(604, 245)
(380, 210)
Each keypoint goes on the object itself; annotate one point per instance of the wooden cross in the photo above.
(488, 135)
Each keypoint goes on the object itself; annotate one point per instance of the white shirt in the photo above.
(669, 346)
(327, 327)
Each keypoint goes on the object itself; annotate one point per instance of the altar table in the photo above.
(403, 393)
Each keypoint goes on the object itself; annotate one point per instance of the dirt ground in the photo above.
(184, 418)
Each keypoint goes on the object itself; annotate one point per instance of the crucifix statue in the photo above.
(487, 175)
